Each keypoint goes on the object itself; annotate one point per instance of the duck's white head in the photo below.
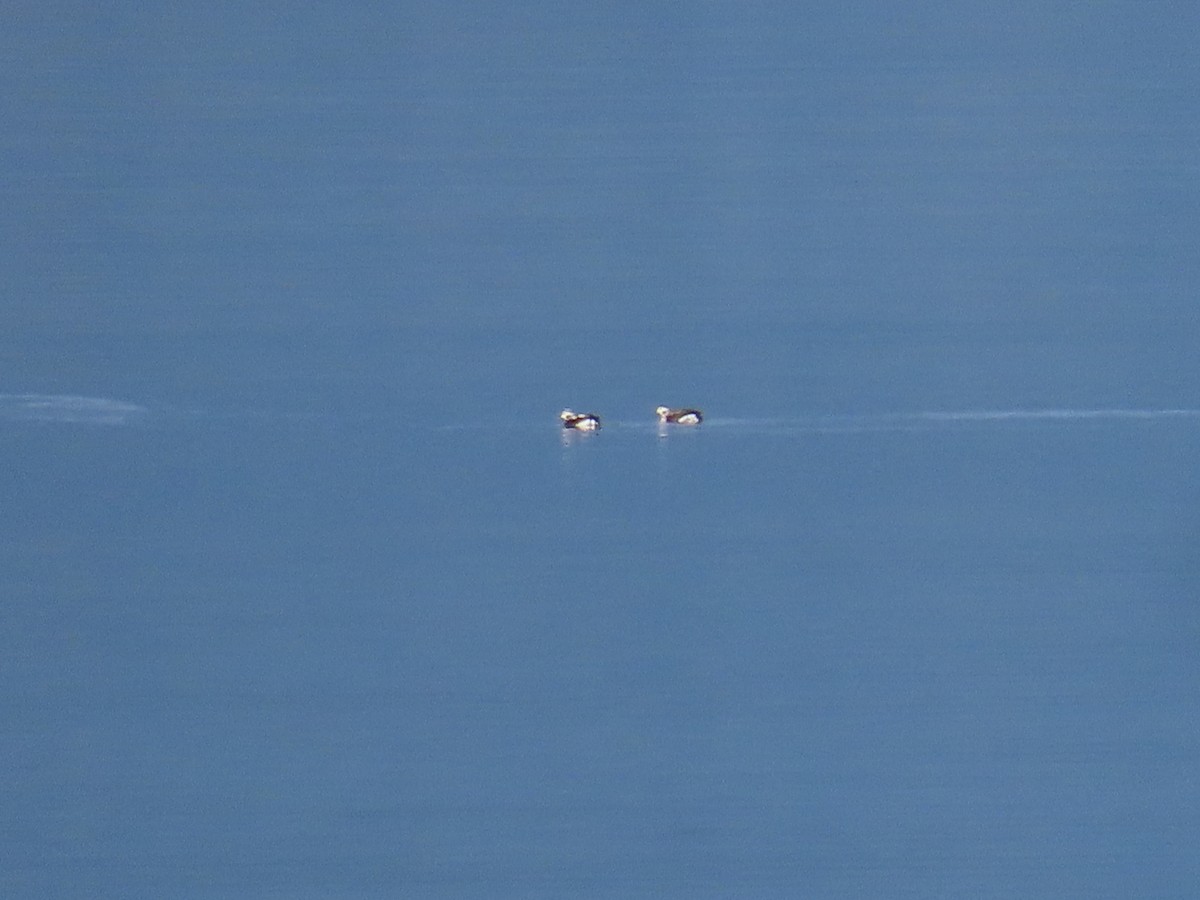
(662, 411)
(565, 414)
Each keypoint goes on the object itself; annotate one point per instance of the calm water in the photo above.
(306, 594)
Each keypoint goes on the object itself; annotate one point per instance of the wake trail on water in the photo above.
(70, 408)
(84, 410)
(928, 420)
(76, 409)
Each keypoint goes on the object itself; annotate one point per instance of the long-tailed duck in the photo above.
(679, 416)
(580, 421)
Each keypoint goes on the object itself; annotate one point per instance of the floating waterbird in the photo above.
(580, 421)
(679, 416)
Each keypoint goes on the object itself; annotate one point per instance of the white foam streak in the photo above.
(69, 408)
(1001, 414)
(941, 419)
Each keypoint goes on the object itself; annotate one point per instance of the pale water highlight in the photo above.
(70, 408)
(76, 409)
(949, 419)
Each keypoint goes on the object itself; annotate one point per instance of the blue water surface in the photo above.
(307, 594)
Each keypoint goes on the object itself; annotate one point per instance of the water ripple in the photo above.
(69, 408)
